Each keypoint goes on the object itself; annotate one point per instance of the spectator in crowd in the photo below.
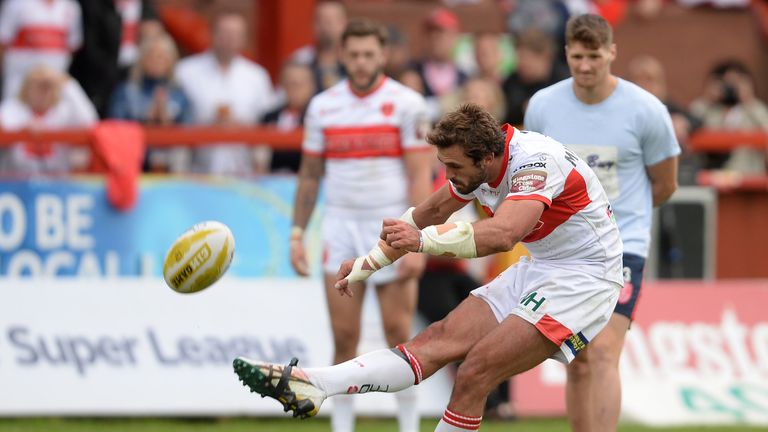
(536, 69)
(438, 72)
(484, 92)
(329, 23)
(729, 102)
(411, 79)
(139, 21)
(399, 53)
(48, 100)
(37, 32)
(648, 73)
(488, 56)
(487, 94)
(225, 89)
(150, 96)
(548, 16)
(299, 85)
(95, 65)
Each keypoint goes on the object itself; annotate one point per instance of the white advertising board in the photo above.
(134, 347)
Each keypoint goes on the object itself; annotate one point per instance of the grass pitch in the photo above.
(289, 425)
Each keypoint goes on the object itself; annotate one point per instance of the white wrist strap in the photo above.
(453, 240)
(365, 266)
(407, 217)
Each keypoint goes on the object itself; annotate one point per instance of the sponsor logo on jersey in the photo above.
(594, 161)
(326, 111)
(528, 181)
(530, 165)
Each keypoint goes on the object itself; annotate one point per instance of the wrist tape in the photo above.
(453, 240)
(365, 266)
(407, 217)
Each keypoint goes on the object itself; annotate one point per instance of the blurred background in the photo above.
(122, 124)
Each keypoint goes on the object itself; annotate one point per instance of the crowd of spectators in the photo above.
(129, 69)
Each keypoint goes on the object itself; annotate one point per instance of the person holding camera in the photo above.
(729, 102)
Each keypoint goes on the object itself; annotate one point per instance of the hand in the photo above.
(342, 283)
(299, 257)
(412, 266)
(713, 91)
(160, 95)
(744, 89)
(400, 235)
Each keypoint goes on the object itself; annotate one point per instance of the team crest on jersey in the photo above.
(387, 108)
(528, 181)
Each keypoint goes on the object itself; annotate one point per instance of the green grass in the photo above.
(286, 425)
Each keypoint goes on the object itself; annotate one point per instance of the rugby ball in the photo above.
(199, 257)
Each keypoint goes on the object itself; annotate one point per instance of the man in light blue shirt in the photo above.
(625, 134)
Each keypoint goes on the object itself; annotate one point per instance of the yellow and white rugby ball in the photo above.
(199, 257)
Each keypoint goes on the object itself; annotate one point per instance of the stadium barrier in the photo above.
(704, 140)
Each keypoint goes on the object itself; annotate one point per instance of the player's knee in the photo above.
(579, 368)
(603, 354)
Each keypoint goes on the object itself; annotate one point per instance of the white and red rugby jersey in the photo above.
(577, 226)
(363, 138)
(37, 32)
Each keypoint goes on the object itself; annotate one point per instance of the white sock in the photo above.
(377, 371)
(452, 422)
(343, 414)
(407, 410)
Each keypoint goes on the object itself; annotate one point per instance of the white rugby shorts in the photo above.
(345, 239)
(566, 304)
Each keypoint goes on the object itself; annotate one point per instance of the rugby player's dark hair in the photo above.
(472, 128)
(363, 28)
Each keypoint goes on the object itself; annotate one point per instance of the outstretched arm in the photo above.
(434, 210)
(513, 220)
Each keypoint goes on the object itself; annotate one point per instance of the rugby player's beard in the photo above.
(371, 81)
(474, 182)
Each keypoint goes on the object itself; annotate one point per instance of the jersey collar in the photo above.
(369, 92)
(509, 131)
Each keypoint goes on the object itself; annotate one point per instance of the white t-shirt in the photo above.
(36, 32)
(74, 110)
(362, 138)
(577, 226)
(618, 138)
(243, 90)
(130, 14)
